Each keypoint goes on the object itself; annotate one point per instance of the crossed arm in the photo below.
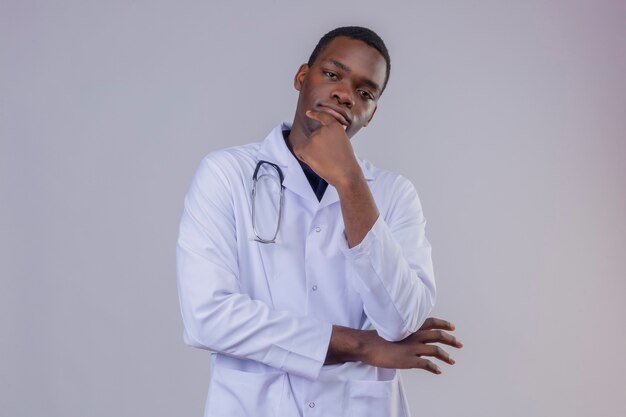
(347, 345)
(329, 153)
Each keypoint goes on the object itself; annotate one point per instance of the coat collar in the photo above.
(274, 149)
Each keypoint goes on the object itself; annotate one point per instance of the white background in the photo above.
(508, 116)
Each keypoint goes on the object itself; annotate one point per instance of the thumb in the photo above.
(315, 115)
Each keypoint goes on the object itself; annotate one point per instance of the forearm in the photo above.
(358, 208)
(350, 345)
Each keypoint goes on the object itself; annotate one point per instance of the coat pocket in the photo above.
(374, 398)
(236, 393)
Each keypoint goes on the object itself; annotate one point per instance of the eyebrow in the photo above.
(346, 68)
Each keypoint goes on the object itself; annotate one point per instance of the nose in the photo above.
(343, 96)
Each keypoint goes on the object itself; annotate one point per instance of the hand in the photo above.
(408, 353)
(328, 151)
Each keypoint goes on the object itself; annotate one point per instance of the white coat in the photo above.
(266, 310)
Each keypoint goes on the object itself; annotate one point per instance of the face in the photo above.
(345, 81)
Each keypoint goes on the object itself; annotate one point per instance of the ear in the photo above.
(299, 78)
(371, 116)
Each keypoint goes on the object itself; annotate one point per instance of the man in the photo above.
(304, 269)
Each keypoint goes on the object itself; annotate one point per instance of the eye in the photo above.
(330, 75)
(364, 94)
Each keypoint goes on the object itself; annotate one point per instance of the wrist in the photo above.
(351, 183)
(349, 345)
(369, 344)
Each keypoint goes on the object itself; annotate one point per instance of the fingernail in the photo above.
(438, 370)
(452, 361)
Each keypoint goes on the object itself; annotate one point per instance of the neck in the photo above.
(296, 137)
(299, 131)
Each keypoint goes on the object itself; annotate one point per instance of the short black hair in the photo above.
(359, 33)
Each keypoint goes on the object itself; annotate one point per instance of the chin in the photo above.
(311, 124)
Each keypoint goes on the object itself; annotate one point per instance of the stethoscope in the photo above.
(255, 176)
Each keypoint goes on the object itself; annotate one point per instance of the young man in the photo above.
(304, 269)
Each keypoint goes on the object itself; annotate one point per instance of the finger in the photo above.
(435, 323)
(438, 336)
(435, 352)
(427, 365)
(324, 118)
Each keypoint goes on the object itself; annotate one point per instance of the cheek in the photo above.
(366, 114)
(370, 109)
(306, 93)
(304, 97)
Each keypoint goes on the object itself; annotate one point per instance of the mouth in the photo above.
(339, 114)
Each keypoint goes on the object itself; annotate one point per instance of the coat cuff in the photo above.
(306, 357)
(364, 249)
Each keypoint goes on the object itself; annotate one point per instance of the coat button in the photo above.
(314, 288)
(318, 229)
(311, 404)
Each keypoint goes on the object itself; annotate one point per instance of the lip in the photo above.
(338, 113)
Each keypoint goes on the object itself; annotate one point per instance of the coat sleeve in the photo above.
(217, 316)
(393, 266)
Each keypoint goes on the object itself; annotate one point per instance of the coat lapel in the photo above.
(276, 258)
(273, 149)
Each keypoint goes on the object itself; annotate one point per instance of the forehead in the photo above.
(362, 59)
